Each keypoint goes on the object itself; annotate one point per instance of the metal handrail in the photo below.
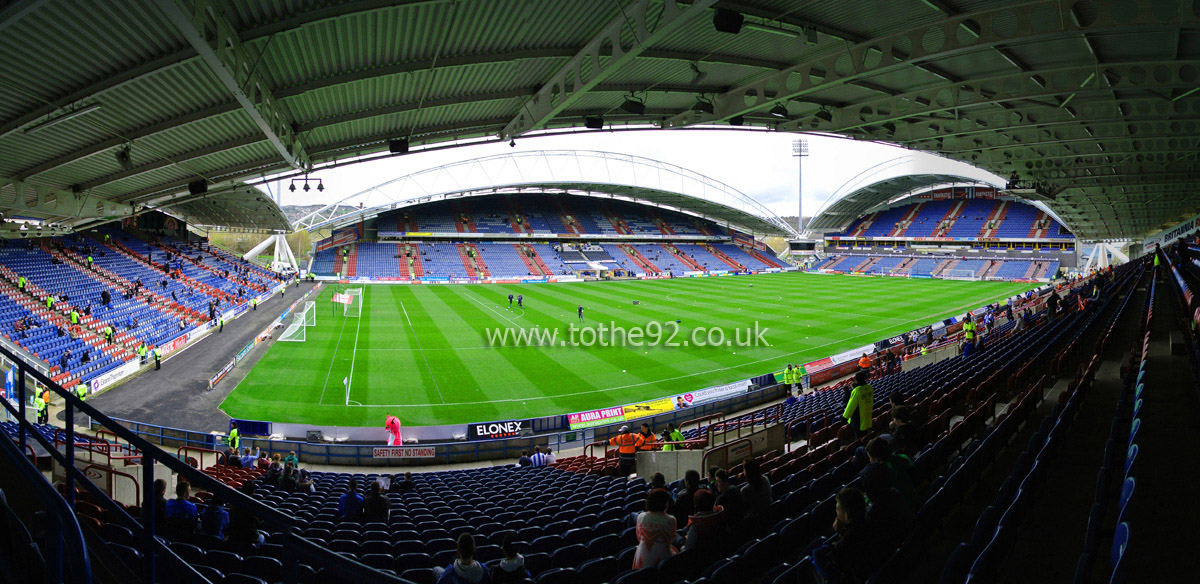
(152, 547)
(66, 548)
(112, 471)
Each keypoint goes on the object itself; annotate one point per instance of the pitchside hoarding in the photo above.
(403, 452)
(596, 418)
(493, 430)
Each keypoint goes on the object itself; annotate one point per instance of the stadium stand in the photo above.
(572, 519)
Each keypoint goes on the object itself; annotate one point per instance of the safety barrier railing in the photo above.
(152, 547)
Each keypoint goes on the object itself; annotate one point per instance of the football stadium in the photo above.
(611, 292)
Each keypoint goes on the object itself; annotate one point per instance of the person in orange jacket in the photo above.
(627, 444)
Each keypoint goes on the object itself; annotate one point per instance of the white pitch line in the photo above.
(354, 352)
(644, 383)
(417, 340)
(331, 362)
(485, 305)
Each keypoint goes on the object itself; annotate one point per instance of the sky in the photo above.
(757, 163)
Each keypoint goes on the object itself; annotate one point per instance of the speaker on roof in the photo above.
(728, 21)
(593, 122)
(398, 146)
(198, 187)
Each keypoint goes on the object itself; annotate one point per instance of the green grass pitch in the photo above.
(421, 353)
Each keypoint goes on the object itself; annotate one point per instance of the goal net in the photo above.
(309, 313)
(295, 330)
(960, 275)
(354, 309)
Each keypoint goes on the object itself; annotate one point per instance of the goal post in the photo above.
(354, 308)
(310, 313)
(294, 331)
(960, 275)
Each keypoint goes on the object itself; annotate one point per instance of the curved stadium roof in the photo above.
(577, 172)
(113, 106)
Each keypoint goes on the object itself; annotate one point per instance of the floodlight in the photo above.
(634, 107)
(780, 111)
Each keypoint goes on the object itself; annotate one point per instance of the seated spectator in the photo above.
(242, 530)
(706, 528)
(306, 484)
(537, 458)
(377, 507)
(853, 553)
(756, 493)
(292, 459)
(401, 486)
(511, 568)
(879, 453)
(889, 515)
(350, 506)
(232, 458)
(658, 481)
(684, 497)
(550, 458)
(464, 570)
(655, 531)
(729, 498)
(215, 519)
(906, 430)
(524, 460)
(160, 499)
(249, 459)
(288, 482)
(181, 513)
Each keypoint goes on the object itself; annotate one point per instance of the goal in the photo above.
(309, 313)
(354, 309)
(294, 331)
(960, 275)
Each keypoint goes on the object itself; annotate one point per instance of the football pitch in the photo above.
(423, 353)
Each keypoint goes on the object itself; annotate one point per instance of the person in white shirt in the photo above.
(550, 458)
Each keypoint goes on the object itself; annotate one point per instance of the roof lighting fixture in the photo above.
(42, 125)
(306, 187)
(780, 111)
(704, 107)
(737, 121)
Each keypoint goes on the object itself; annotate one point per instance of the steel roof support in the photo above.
(216, 41)
(584, 71)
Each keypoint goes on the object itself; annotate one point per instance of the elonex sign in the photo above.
(508, 429)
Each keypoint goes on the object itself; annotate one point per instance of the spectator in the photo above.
(232, 459)
(377, 507)
(511, 568)
(550, 458)
(897, 466)
(181, 513)
(889, 516)
(853, 554)
(655, 531)
(537, 459)
(402, 486)
(288, 482)
(306, 484)
(292, 459)
(658, 481)
(907, 429)
(756, 493)
(524, 459)
(160, 499)
(464, 570)
(684, 505)
(729, 498)
(249, 459)
(859, 406)
(243, 526)
(706, 528)
(350, 506)
(215, 519)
